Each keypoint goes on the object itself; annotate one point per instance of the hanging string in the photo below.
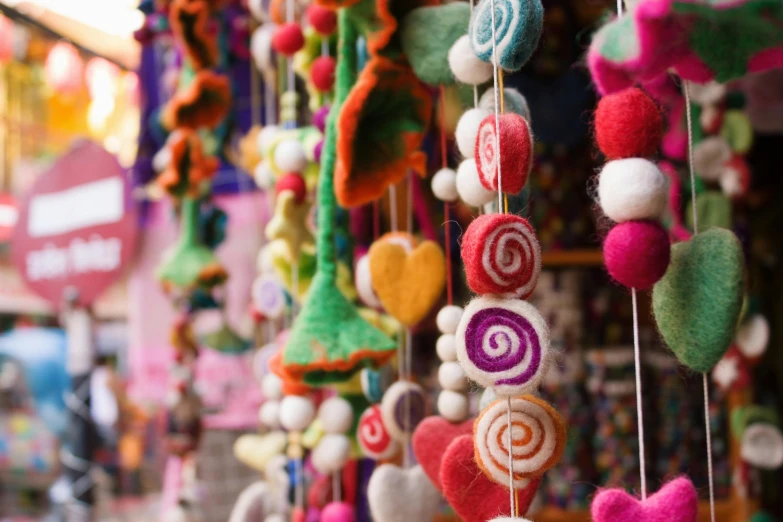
(639, 408)
(475, 87)
(705, 381)
(336, 486)
(511, 489)
(446, 205)
(393, 207)
(495, 73)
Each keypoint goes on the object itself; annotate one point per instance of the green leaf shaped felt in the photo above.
(698, 302)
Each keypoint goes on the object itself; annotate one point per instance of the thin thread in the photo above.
(475, 87)
(639, 409)
(708, 430)
(336, 486)
(255, 88)
(409, 378)
(495, 73)
(299, 489)
(511, 490)
(409, 215)
(619, 8)
(290, 14)
(686, 92)
(393, 207)
(325, 46)
(294, 289)
(446, 218)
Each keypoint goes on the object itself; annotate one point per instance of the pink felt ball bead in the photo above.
(322, 73)
(298, 515)
(637, 253)
(288, 39)
(337, 512)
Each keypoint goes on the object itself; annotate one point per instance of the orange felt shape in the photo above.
(203, 103)
(407, 284)
(189, 21)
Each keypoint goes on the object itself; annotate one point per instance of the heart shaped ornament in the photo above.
(471, 494)
(408, 284)
(402, 495)
(676, 501)
(430, 441)
(698, 302)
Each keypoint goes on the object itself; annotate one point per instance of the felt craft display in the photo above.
(453, 403)
(288, 39)
(322, 19)
(444, 185)
(403, 407)
(538, 437)
(401, 495)
(511, 168)
(698, 302)
(466, 67)
(331, 453)
(322, 73)
(502, 256)
(517, 29)
(762, 446)
(373, 437)
(467, 130)
(513, 101)
(503, 344)
(431, 440)
(628, 124)
(337, 512)
(637, 253)
(289, 223)
(469, 186)
(676, 501)
(631, 189)
(363, 283)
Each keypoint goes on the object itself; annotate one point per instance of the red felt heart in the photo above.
(473, 496)
(430, 440)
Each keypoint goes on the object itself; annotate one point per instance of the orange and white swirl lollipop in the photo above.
(538, 436)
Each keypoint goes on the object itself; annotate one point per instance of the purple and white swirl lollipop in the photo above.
(503, 344)
(403, 407)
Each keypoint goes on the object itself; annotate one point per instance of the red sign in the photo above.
(77, 226)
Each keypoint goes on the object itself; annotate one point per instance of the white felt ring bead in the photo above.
(762, 446)
(336, 415)
(469, 186)
(467, 130)
(448, 318)
(444, 185)
(453, 406)
(446, 347)
(632, 188)
(290, 156)
(296, 413)
(465, 65)
(363, 282)
(331, 453)
(451, 376)
(269, 414)
(272, 386)
(403, 407)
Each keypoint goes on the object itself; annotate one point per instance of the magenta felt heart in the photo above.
(473, 496)
(676, 501)
(430, 440)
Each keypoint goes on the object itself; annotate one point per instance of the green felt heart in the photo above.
(697, 304)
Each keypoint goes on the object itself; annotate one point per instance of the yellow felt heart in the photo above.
(408, 284)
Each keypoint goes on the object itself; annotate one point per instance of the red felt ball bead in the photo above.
(628, 124)
(288, 39)
(322, 19)
(508, 171)
(637, 253)
(322, 73)
(293, 182)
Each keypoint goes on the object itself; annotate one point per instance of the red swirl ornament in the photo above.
(373, 437)
(504, 166)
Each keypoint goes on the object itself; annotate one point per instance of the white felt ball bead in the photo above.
(290, 156)
(269, 414)
(448, 319)
(444, 185)
(465, 65)
(469, 186)
(256, 8)
(263, 176)
(276, 517)
(710, 156)
(296, 413)
(446, 347)
(451, 376)
(331, 453)
(453, 406)
(753, 337)
(363, 282)
(336, 415)
(632, 188)
(467, 130)
(272, 386)
(265, 138)
(261, 47)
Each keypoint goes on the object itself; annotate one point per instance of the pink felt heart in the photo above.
(676, 501)
(473, 496)
(430, 441)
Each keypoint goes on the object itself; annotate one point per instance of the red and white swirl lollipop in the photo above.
(538, 436)
(373, 437)
(516, 159)
(502, 256)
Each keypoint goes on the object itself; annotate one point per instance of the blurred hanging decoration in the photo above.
(63, 69)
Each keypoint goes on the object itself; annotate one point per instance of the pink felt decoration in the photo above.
(628, 124)
(338, 512)
(430, 441)
(637, 253)
(322, 73)
(322, 19)
(293, 182)
(298, 515)
(288, 39)
(676, 501)
(473, 496)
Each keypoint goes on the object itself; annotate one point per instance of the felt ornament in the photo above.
(518, 27)
(710, 156)
(444, 185)
(264, 176)
(453, 406)
(501, 255)
(676, 501)
(284, 267)
(762, 446)
(269, 414)
(745, 416)
(266, 138)
(661, 34)
(737, 130)
(255, 451)
(288, 39)
(513, 101)
(408, 284)
(448, 318)
(465, 65)
(503, 344)
(290, 156)
(373, 437)
(296, 413)
(322, 19)
(289, 223)
(401, 495)
(698, 302)
(632, 188)
(272, 386)
(298, 514)
(753, 337)
(292, 385)
(511, 167)
(332, 453)
(203, 103)
(189, 21)
(628, 124)
(261, 48)
(375, 383)
(322, 73)
(403, 407)
(735, 178)
(363, 282)
(470, 493)
(446, 347)
(225, 339)
(469, 186)
(467, 130)
(430, 441)
(337, 512)
(295, 183)
(427, 50)
(452, 377)
(713, 208)
(188, 169)
(637, 253)
(537, 439)
(336, 415)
